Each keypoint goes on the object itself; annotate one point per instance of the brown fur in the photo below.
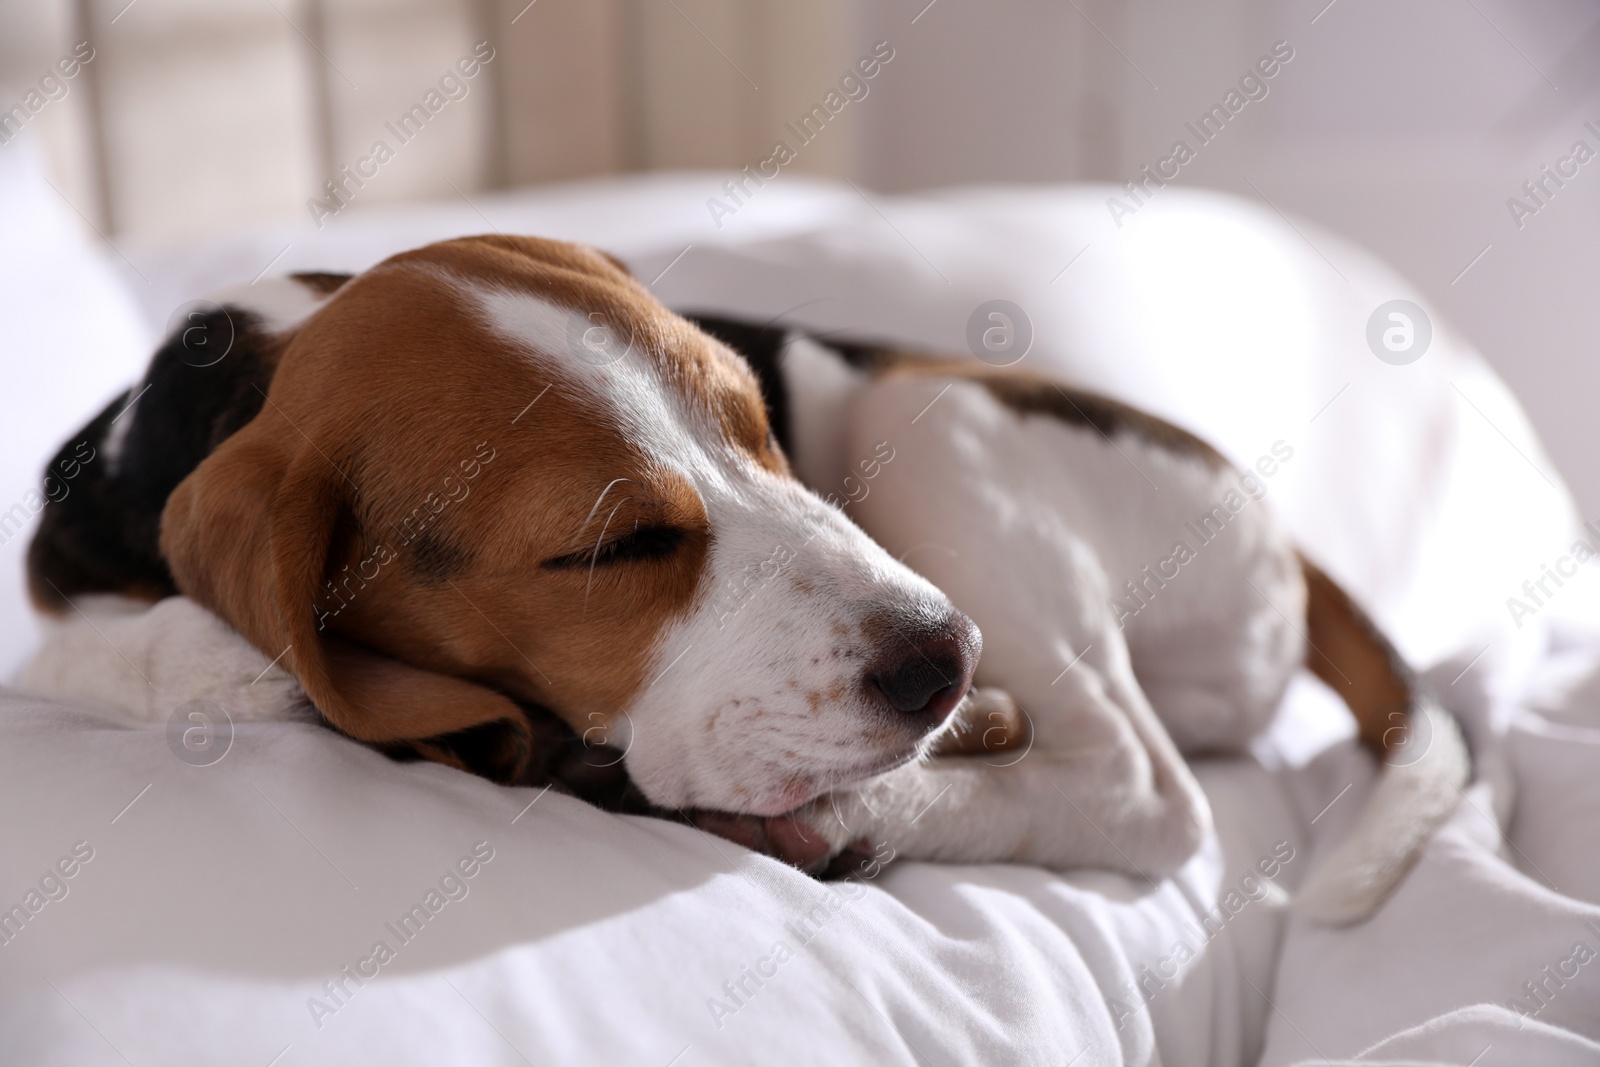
(388, 399)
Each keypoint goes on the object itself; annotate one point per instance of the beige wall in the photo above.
(1404, 126)
(213, 113)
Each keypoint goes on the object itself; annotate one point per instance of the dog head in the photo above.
(496, 470)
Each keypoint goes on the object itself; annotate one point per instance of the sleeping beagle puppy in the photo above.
(491, 484)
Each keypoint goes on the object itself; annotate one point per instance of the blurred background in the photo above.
(1414, 128)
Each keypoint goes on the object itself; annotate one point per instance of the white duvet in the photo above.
(306, 901)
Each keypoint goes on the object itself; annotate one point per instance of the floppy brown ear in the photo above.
(249, 533)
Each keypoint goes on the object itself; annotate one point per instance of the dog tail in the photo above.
(1426, 761)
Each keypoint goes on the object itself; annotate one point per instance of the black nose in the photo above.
(926, 665)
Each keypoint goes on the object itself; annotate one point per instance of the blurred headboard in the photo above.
(197, 114)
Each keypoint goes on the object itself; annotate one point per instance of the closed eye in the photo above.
(644, 544)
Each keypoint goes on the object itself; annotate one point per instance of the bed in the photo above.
(228, 912)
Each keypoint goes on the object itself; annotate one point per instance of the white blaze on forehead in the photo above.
(744, 502)
(616, 375)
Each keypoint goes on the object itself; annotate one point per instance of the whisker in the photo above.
(601, 499)
(595, 558)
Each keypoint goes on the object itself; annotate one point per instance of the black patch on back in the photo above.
(1029, 394)
(1021, 391)
(435, 558)
(90, 539)
(868, 356)
(762, 347)
(103, 535)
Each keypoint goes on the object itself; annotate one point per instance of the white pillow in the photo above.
(72, 338)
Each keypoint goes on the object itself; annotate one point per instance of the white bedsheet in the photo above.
(219, 900)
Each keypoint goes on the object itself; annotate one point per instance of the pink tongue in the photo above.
(793, 843)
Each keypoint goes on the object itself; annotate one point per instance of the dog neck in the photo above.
(822, 387)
